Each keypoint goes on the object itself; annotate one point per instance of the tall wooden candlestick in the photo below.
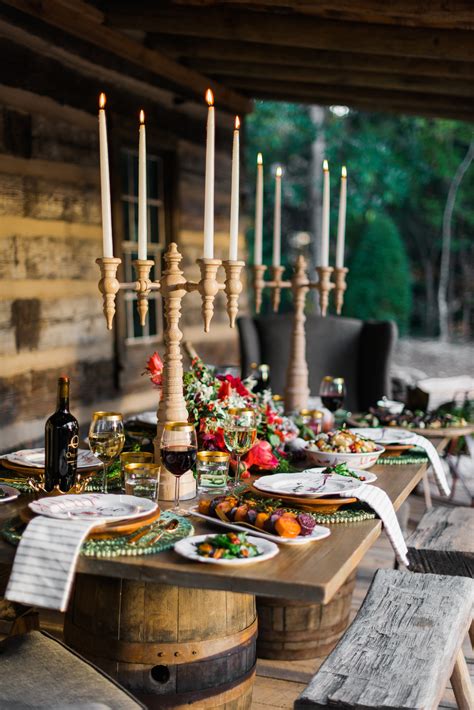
(173, 287)
(297, 377)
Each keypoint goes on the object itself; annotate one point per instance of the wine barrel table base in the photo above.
(293, 630)
(170, 646)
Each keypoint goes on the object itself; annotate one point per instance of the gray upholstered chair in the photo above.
(359, 351)
(41, 672)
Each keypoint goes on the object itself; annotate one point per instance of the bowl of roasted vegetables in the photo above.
(232, 548)
(343, 446)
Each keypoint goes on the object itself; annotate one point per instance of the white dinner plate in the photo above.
(34, 458)
(319, 532)
(386, 435)
(364, 476)
(88, 506)
(11, 493)
(187, 548)
(306, 484)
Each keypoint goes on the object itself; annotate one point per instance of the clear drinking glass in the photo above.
(142, 479)
(212, 471)
(133, 457)
(178, 450)
(332, 392)
(106, 439)
(240, 432)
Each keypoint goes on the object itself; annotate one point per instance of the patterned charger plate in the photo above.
(120, 545)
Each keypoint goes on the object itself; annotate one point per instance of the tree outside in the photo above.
(400, 172)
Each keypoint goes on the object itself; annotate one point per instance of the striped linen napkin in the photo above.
(435, 461)
(379, 501)
(45, 561)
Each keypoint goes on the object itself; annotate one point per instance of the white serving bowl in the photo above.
(354, 461)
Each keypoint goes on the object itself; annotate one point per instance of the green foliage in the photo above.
(399, 167)
(379, 282)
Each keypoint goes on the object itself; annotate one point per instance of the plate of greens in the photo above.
(229, 549)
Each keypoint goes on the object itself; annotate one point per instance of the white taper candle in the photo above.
(325, 224)
(259, 213)
(341, 222)
(234, 195)
(277, 219)
(209, 180)
(142, 196)
(107, 242)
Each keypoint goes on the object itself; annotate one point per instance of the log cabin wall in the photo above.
(51, 319)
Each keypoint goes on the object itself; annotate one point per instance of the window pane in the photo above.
(152, 178)
(135, 174)
(124, 172)
(152, 316)
(153, 225)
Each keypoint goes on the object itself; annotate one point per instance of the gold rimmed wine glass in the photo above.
(240, 432)
(178, 450)
(106, 439)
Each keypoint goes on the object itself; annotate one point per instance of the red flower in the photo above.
(154, 368)
(236, 384)
(212, 440)
(225, 390)
(261, 456)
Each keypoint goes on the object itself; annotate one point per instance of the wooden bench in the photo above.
(443, 542)
(402, 647)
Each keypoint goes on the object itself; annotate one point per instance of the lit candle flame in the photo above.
(279, 172)
(344, 172)
(259, 159)
(142, 116)
(102, 100)
(210, 97)
(237, 123)
(325, 165)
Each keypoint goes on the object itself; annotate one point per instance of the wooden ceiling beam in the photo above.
(361, 104)
(443, 14)
(74, 21)
(321, 93)
(399, 82)
(294, 30)
(193, 48)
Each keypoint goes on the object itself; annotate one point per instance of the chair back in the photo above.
(359, 351)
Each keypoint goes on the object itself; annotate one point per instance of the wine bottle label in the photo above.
(71, 454)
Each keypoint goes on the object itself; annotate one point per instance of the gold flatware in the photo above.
(172, 525)
(169, 525)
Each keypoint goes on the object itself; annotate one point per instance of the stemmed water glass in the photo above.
(178, 450)
(106, 439)
(240, 431)
(332, 392)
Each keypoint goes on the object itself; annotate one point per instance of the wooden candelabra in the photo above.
(297, 375)
(173, 286)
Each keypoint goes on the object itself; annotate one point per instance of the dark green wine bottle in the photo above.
(61, 443)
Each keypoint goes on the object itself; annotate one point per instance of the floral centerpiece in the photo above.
(208, 398)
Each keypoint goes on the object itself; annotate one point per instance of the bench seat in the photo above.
(402, 647)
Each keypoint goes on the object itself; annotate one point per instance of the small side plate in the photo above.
(11, 493)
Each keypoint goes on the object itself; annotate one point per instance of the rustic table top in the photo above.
(312, 572)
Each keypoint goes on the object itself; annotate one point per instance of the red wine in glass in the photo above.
(333, 403)
(178, 458)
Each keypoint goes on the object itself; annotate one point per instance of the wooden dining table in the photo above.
(313, 573)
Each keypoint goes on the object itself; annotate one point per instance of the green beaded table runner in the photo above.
(20, 482)
(118, 545)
